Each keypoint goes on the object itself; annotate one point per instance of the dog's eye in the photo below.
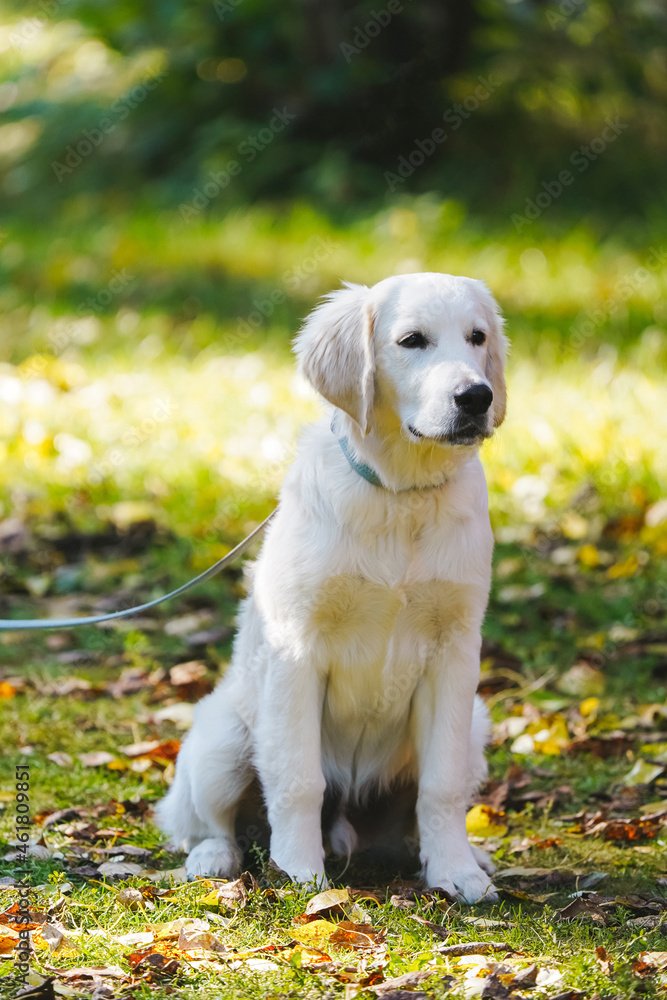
(478, 337)
(415, 339)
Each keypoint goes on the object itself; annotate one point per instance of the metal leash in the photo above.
(34, 623)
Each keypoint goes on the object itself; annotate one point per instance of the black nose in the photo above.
(474, 399)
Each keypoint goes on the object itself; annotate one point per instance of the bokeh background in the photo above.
(181, 182)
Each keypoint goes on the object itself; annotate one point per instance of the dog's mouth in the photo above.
(464, 434)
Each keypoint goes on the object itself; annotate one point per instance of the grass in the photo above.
(142, 436)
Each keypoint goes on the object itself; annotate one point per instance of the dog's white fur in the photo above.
(357, 656)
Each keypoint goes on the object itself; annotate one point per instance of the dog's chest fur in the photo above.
(387, 590)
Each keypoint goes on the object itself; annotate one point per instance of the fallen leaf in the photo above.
(407, 980)
(475, 948)
(39, 988)
(55, 936)
(189, 679)
(9, 938)
(614, 744)
(484, 821)
(119, 869)
(97, 758)
(187, 623)
(604, 960)
(196, 934)
(153, 750)
(495, 989)
(94, 972)
(649, 962)
(582, 681)
(153, 964)
(627, 567)
(582, 908)
(315, 934)
(236, 893)
(329, 901)
(526, 978)
(521, 872)
(351, 935)
(437, 929)
(642, 773)
(139, 749)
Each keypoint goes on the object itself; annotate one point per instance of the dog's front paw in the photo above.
(312, 879)
(471, 885)
(483, 859)
(216, 857)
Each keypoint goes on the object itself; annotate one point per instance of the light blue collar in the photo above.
(363, 470)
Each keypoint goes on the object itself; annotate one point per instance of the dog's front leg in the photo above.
(289, 764)
(444, 706)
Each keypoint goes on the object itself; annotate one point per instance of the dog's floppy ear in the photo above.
(335, 351)
(496, 354)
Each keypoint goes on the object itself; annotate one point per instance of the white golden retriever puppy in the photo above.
(357, 657)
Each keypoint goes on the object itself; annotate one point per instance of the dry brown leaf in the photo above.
(475, 948)
(236, 893)
(351, 935)
(9, 938)
(437, 929)
(604, 960)
(405, 982)
(582, 908)
(650, 962)
(119, 869)
(154, 963)
(329, 901)
(94, 972)
(189, 679)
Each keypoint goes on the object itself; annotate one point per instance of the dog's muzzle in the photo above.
(470, 423)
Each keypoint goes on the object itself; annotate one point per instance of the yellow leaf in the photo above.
(117, 765)
(589, 556)
(551, 735)
(210, 899)
(589, 706)
(315, 934)
(7, 690)
(626, 568)
(484, 821)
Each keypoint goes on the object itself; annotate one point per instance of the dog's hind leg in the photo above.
(212, 772)
(478, 767)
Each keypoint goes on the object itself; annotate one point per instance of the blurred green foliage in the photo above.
(515, 87)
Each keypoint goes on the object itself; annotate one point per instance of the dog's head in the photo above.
(429, 346)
